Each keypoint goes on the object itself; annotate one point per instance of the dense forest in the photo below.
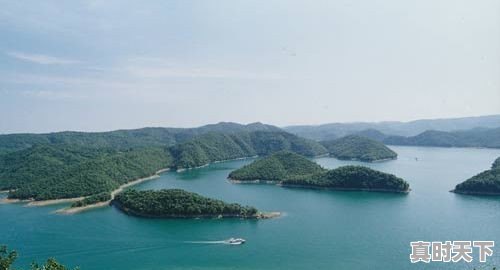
(277, 167)
(211, 147)
(290, 169)
(8, 257)
(352, 178)
(484, 183)
(177, 203)
(354, 147)
(61, 171)
(124, 139)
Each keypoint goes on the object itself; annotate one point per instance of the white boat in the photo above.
(235, 241)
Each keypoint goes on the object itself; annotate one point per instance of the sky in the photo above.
(105, 65)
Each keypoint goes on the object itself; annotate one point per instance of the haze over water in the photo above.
(319, 229)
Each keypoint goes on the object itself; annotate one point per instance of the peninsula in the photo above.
(484, 183)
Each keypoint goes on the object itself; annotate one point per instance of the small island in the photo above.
(355, 178)
(485, 183)
(354, 147)
(292, 170)
(177, 203)
(275, 168)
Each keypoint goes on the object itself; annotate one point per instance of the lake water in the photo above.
(319, 229)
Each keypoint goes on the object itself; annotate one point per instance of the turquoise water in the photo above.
(319, 229)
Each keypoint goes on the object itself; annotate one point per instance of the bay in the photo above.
(319, 229)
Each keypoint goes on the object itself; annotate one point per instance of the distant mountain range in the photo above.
(412, 128)
(477, 137)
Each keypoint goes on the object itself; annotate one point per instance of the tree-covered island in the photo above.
(177, 203)
(292, 170)
(484, 183)
(276, 167)
(354, 147)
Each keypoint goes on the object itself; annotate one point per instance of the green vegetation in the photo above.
(496, 164)
(477, 137)
(485, 183)
(353, 178)
(353, 147)
(289, 169)
(61, 171)
(92, 199)
(277, 167)
(177, 203)
(124, 139)
(7, 258)
(211, 147)
(77, 164)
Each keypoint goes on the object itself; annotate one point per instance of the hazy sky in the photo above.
(103, 65)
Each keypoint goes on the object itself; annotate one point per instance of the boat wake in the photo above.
(205, 242)
(230, 241)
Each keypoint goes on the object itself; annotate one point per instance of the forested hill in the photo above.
(289, 169)
(496, 164)
(478, 137)
(124, 139)
(485, 183)
(277, 167)
(352, 178)
(52, 171)
(176, 203)
(353, 147)
(211, 147)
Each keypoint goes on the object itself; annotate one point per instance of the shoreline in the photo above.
(51, 202)
(367, 161)
(213, 162)
(9, 201)
(347, 189)
(475, 193)
(258, 181)
(73, 210)
(281, 184)
(259, 215)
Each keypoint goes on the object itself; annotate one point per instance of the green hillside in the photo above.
(60, 170)
(211, 147)
(353, 147)
(289, 169)
(478, 137)
(496, 164)
(352, 178)
(277, 167)
(53, 172)
(125, 139)
(177, 203)
(485, 183)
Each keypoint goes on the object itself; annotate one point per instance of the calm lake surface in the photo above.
(319, 229)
